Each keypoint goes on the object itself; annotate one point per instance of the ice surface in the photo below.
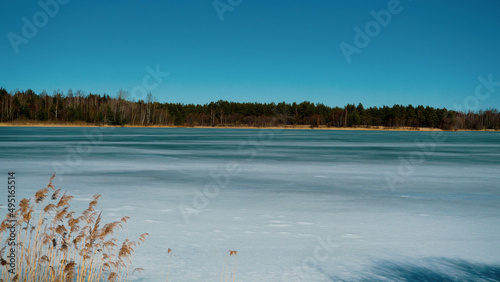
(297, 205)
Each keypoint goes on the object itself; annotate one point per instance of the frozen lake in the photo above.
(297, 205)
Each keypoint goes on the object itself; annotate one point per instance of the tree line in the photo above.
(104, 110)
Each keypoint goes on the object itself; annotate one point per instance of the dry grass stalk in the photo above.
(169, 251)
(58, 246)
(233, 274)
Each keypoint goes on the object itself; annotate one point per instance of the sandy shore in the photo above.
(330, 128)
(46, 124)
(83, 124)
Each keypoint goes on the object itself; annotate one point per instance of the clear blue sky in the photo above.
(431, 53)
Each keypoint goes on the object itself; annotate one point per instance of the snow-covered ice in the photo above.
(297, 205)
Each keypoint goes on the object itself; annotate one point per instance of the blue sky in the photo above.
(430, 53)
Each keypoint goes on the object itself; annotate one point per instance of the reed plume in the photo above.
(55, 245)
(233, 274)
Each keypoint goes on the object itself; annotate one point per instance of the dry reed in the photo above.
(58, 246)
(229, 274)
(169, 253)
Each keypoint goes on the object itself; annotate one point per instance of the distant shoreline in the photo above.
(302, 127)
